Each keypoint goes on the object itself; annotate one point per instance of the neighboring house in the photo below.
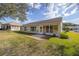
(0, 25)
(49, 27)
(13, 26)
(71, 27)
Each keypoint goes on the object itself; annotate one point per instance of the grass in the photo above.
(73, 35)
(70, 46)
(18, 44)
(12, 43)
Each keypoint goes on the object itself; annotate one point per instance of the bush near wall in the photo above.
(63, 35)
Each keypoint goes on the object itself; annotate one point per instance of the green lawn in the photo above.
(18, 44)
(73, 35)
(12, 43)
(70, 46)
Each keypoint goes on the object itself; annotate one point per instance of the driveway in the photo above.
(37, 37)
(44, 37)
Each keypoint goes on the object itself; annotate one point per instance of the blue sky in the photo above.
(44, 11)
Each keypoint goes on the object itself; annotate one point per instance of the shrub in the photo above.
(63, 36)
(54, 35)
(69, 51)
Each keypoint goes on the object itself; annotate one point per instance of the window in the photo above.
(40, 29)
(47, 28)
(25, 28)
(55, 27)
(33, 28)
(51, 28)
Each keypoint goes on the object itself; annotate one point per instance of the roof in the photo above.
(0, 23)
(58, 19)
(13, 23)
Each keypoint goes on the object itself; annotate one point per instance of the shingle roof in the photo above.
(14, 23)
(58, 19)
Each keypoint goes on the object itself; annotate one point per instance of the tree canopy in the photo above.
(13, 10)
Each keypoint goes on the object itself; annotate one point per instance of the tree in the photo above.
(13, 10)
(66, 29)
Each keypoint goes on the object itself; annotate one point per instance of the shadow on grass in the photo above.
(34, 34)
(23, 32)
(47, 37)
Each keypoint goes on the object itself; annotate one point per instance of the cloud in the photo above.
(74, 10)
(68, 11)
(76, 21)
(29, 13)
(64, 21)
(73, 20)
(60, 9)
(70, 6)
(51, 13)
(64, 5)
(35, 5)
(67, 14)
(71, 13)
(30, 4)
(57, 10)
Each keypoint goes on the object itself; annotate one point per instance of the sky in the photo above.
(43, 11)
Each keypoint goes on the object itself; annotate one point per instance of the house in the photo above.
(0, 25)
(48, 27)
(13, 26)
(71, 27)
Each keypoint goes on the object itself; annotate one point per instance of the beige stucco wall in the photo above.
(15, 28)
(0, 26)
(57, 21)
(44, 24)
